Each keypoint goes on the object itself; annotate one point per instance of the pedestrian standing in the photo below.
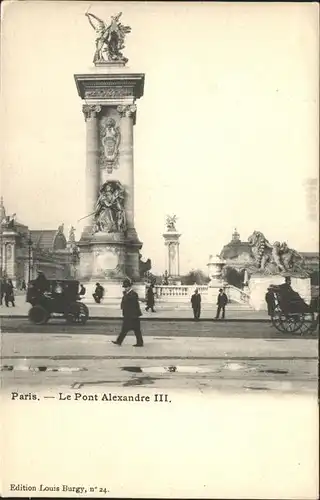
(269, 297)
(221, 302)
(9, 294)
(150, 299)
(196, 304)
(98, 293)
(131, 313)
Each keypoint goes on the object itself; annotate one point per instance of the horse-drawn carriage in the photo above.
(56, 298)
(291, 314)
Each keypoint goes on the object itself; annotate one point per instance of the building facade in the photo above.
(24, 252)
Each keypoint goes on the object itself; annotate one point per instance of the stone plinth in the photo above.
(259, 284)
(110, 116)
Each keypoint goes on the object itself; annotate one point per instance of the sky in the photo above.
(226, 133)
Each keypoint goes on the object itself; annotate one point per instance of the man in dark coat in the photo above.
(9, 294)
(196, 304)
(269, 297)
(221, 302)
(131, 315)
(3, 287)
(150, 299)
(41, 283)
(98, 293)
(290, 300)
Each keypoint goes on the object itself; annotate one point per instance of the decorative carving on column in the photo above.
(110, 137)
(127, 111)
(111, 92)
(90, 111)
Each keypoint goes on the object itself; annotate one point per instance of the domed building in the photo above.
(236, 253)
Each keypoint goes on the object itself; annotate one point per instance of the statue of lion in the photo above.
(261, 249)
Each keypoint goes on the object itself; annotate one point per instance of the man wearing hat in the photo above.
(269, 298)
(222, 301)
(131, 315)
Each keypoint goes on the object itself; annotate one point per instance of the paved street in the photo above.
(177, 354)
(163, 328)
(165, 310)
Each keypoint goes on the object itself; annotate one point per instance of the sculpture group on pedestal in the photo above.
(72, 235)
(171, 222)
(110, 38)
(6, 221)
(276, 258)
(109, 216)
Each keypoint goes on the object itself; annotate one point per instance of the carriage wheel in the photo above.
(38, 315)
(286, 323)
(309, 323)
(78, 313)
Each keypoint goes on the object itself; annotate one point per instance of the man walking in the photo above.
(196, 304)
(221, 302)
(131, 315)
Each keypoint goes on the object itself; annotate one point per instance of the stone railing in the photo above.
(235, 294)
(182, 293)
(178, 292)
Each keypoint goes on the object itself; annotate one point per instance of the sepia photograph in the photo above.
(159, 249)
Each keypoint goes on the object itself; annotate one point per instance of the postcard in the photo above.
(159, 249)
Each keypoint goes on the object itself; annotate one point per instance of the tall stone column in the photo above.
(127, 114)
(108, 256)
(92, 159)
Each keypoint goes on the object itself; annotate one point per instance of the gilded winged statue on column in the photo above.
(110, 38)
(171, 221)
